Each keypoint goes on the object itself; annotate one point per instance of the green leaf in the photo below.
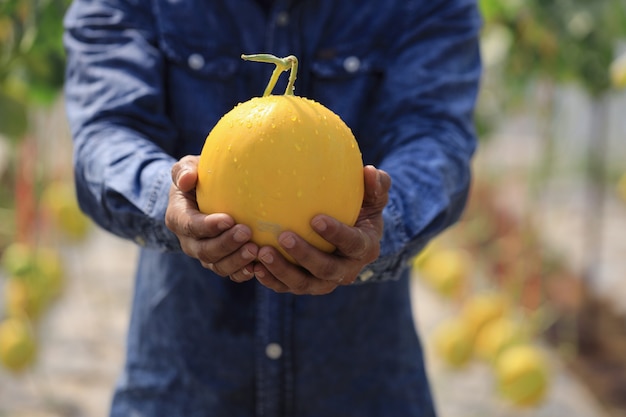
(490, 9)
(13, 117)
(33, 56)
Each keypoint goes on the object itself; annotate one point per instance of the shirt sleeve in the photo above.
(115, 106)
(427, 126)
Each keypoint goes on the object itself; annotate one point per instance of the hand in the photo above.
(215, 240)
(320, 272)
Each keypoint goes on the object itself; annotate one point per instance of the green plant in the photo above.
(31, 59)
(562, 40)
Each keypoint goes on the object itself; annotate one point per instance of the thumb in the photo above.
(185, 173)
(377, 184)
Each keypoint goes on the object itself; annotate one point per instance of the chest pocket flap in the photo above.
(203, 44)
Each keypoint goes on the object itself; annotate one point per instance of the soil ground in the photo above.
(83, 343)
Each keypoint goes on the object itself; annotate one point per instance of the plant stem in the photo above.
(282, 64)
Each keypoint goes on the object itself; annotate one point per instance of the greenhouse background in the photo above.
(541, 248)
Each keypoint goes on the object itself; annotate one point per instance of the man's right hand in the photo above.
(215, 240)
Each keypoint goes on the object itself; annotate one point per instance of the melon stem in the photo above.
(288, 63)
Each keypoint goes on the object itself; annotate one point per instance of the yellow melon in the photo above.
(453, 341)
(274, 162)
(18, 344)
(445, 270)
(617, 72)
(523, 375)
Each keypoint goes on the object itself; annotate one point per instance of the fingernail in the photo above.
(223, 226)
(319, 225)
(246, 272)
(288, 241)
(267, 258)
(240, 236)
(246, 254)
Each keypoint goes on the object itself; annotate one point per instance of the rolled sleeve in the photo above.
(122, 137)
(428, 129)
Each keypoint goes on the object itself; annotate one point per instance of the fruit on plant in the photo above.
(59, 200)
(24, 297)
(496, 336)
(18, 346)
(481, 308)
(621, 187)
(18, 259)
(32, 291)
(453, 341)
(617, 72)
(522, 375)
(49, 265)
(445, 270)
(274, 162)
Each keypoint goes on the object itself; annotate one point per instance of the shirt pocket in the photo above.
(201, 67)
(347, 61)
(202, 43)
(348, 79)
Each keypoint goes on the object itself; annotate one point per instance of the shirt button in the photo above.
(351, 64)
(366, 275)
(282, 19)
(273, 351)
(195, 61)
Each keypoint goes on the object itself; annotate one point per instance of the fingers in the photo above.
(239, 265)
(265, 277)
(244, 274)
(352, 242)
(227, 254)
(224, 247)
(212, 248)
(280, 275)
(183, 218)
(318, 272)
(215, 240)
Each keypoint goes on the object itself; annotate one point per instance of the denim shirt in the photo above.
(147, 80)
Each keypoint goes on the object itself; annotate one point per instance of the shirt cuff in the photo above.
(153, 232)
